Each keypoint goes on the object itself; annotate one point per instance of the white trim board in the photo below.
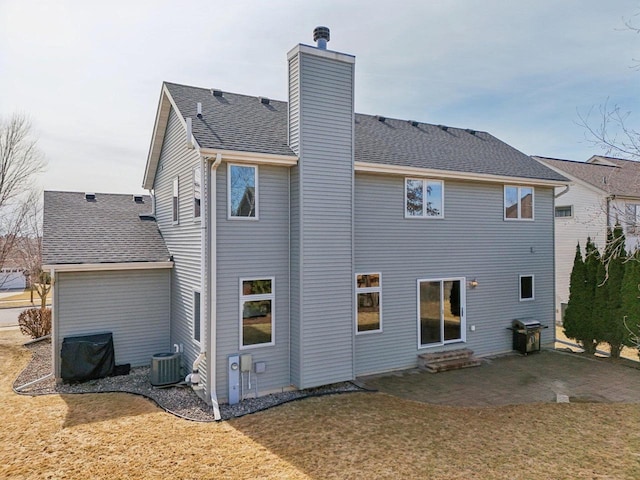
(95, 267)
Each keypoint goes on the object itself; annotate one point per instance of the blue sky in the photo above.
(89, 73)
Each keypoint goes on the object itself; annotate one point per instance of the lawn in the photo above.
(21, 299)
(363, 435)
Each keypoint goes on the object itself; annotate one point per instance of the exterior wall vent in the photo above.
(138, 199)
(90, 197)
(216, 93)
(165, 369)
(321, 35)
(264, 100)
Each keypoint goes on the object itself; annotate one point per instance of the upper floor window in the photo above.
(564, 211)
(368, 313)
(197, 192)
(423, 198)
(243, 191)
(174, 204)
(518, 203)
(632, 214)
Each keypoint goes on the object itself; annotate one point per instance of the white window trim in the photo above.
(196, 170)
(533, 288)
(533, 204)
(424, 198)
(193, 311)
(270, 296)
(463, 313)
(175, 193)
(563, 206)
(257, 193)
(377, 290)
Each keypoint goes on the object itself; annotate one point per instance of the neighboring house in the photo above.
(604, 191)
(328, 244)
(12, 272)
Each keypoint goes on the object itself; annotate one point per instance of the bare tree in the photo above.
(20, 162)
(29, 246)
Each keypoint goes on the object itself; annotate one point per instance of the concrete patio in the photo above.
(548, 376)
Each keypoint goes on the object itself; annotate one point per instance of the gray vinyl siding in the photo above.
(472, 241)
(254, 249)
(183, 240)
(295, 275)
(324, 250)
(294, 105)
(132, 304)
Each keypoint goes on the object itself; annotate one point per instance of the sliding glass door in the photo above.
(441, 304)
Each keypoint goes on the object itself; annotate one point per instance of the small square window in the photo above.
(423, 198)
(526, 287)
(518, 203)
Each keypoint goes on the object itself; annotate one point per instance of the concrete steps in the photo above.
(444, 361)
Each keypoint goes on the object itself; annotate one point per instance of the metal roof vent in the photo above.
(444, 128)
(216, 93)
(414, 123)
(138, 199)
(90, 197)
(380, 118)
(469, 131)
(264, 100)
(199, 109)
(321, 36)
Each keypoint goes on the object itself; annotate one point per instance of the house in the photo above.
(12, 272)
(319, 244)
(604, 191)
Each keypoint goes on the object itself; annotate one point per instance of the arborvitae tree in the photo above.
(589, 329)
(631, 299)
(578, 305)
(609, 293)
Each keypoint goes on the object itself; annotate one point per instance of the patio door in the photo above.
(441, 306)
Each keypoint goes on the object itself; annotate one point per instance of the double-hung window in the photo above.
(424, 198)
(518, 203)
(632, 214)
(564, 211)
(368, 305)
(242, 187)
(257, 298)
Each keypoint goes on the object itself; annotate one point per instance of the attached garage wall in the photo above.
(134, 305)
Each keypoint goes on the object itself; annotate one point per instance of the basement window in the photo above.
(257, 298)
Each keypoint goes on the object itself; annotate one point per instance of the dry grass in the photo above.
(22, 299)
(346, 436)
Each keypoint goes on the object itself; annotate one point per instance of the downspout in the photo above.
(566, 190)
(55, 361)
(153, 203)
(213, 284)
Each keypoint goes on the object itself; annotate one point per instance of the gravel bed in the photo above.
(181, 401)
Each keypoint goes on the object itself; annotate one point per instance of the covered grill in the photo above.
(526, 335)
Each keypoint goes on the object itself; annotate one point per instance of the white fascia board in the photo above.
(446, 174)
(319, 52)
(250, 157)
(97, 267)
(159, 129)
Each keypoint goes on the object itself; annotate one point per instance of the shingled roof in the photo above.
(621, 177)
(109, 229)
(244, 123)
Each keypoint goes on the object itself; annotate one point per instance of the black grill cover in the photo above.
(87, 357)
